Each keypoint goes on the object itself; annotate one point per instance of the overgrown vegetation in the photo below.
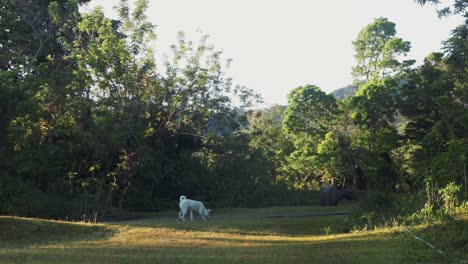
(91, 124)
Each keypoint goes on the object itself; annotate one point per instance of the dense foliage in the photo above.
(90, 121)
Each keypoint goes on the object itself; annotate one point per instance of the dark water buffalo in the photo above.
(330, 195)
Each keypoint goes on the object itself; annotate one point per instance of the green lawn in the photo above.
(232, 236)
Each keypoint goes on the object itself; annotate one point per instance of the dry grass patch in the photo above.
(226, 239)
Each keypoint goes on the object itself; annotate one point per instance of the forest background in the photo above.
(91, 124)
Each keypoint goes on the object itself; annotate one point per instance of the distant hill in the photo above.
(344, 92)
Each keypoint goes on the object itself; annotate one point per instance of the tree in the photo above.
(268, 137)
(378, 71)
(459, 7)
(86, 116)
(374, 113)
(335, 161)
(431, 101)
(377, 51)
(309, 116)
(309, 111)
(37, 125)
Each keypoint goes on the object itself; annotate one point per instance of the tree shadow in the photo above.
(249, 226)
(374, 248)
(18, 231)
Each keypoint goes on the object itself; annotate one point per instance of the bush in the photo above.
(439, 206)
(450, 197)
(20, 198)
(375, 208)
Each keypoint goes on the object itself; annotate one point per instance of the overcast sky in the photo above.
(277, 45)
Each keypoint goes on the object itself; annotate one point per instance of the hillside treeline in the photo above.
(90, 121)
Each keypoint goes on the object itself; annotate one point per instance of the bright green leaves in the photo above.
(54, 12)
(135, 25)
(329, 144)
(374, 113)
(380, 66)
(392, 50)
(101, 53)
(308, 118)
(335, 159)
(378, 51)
(309, 111)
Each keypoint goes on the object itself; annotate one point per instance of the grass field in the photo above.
(232, 236)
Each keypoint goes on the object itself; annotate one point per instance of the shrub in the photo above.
(450, 197)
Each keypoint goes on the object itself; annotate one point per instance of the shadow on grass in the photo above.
(375, 248)
(251, 226)
(17, 231)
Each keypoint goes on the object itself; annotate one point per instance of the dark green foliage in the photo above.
(375, 208)
(87, 124)
(459, 7)
(90, 125)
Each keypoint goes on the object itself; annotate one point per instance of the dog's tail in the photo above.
(182, 197)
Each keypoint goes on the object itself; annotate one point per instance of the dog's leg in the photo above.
(191, 215)
(200, 211)
(184, 211)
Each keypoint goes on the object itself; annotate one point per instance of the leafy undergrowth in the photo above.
(235, 236)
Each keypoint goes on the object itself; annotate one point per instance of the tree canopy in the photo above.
(378, 50)
(91, 123)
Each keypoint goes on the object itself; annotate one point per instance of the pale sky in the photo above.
(278, 45)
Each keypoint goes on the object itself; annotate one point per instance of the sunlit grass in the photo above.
(232, 236)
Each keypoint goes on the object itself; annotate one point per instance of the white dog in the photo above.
(192, 205)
